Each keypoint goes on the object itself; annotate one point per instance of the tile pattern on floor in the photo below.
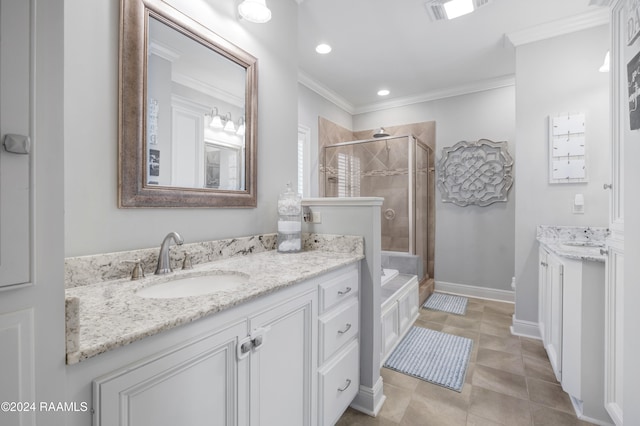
(509, 380)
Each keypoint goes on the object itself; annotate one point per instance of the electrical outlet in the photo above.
(316, 217)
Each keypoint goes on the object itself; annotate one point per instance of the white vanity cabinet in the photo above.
(261, 367)
(571, 312)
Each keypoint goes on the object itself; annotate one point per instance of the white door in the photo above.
(282, 393)
(15, 167)
(32, 338)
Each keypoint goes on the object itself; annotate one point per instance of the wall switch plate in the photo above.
(316, 217)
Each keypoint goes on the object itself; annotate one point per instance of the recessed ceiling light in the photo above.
(323, 48)
(383, 92)
(455, 8)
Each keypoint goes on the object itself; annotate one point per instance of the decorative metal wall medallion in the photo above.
(477, 173)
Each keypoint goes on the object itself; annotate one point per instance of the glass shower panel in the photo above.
(377, 168)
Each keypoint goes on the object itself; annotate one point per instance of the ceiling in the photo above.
(394, 44)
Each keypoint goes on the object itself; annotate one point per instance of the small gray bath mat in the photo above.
(433, 356)
(447, 303)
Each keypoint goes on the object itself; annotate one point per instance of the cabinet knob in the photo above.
(607, 186)
(604, 252)
(257, 341)
(246, 347)
(545, 264)
(347, 384)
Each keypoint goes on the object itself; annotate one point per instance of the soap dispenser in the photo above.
(289, 221)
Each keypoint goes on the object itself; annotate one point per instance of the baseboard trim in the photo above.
(525, 328)
(474, 291)
(369, 400)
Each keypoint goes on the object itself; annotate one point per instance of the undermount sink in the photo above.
(194, 286)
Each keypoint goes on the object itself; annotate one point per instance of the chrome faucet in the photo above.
(164, 264)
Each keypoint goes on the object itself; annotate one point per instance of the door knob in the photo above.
(17, 144)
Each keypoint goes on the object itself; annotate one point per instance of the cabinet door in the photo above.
(554, 347)
(193, 384)
(543, 293)
(282, 379)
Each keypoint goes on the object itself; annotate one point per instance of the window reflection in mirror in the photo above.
(195, 107)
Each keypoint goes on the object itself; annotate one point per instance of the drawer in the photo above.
(339, 381)
(338, 327)
(338, 289)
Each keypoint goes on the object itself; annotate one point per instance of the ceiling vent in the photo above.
(437, 12)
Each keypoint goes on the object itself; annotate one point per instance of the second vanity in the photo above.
(281, 347)
(571, 277)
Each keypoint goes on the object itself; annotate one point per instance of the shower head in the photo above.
(380, 133)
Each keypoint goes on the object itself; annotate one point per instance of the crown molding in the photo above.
(479, 86)
(326, 93)
(597, 17)
(331, 96)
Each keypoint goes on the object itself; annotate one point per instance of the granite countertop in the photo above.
(574, 242)
(111, 315)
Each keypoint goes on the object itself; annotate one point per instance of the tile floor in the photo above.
(509, 379)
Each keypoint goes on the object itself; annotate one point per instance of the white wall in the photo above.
(555, 76)
(310, 107)
(93, 223)
(474, 245)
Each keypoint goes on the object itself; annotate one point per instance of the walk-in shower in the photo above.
(395, 168)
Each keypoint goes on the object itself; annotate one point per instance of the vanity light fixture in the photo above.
(255, 11)
(383, 92)
(229, 125)
(216, 120)
(240, 131)
(323, 48)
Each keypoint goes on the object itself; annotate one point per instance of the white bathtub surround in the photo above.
(574, 242)
(112, 315)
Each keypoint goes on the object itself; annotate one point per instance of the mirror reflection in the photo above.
(195, 135)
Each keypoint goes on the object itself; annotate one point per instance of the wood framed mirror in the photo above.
(187, 113)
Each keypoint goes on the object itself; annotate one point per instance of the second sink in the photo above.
(194, 285)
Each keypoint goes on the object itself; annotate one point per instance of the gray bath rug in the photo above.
(447, 303)
(433, 356)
